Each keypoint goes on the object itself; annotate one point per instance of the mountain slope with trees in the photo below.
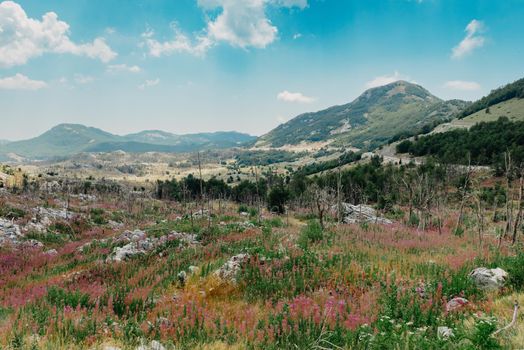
(369, 121)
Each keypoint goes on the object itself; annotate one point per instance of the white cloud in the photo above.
(21, 82)
(297, 36)
(83, 79)
(239, 23)
(149, 83)
(297, 97)
(462, 85)
(115, 68)
(180, 43)
(386, 79)
(23, 38)
(472, 41)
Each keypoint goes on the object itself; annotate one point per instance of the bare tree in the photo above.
(322, 199)
(464, 195)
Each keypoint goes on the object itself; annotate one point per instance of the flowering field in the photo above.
(114, 276)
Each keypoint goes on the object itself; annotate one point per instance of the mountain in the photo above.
(370, 120)
(4, 142)
(217, 139)
(68, 139)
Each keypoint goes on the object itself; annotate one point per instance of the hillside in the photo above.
(68, 139)
(372, 119)
(513, 109)
(504, 93)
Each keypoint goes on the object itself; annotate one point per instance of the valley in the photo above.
(331, 241)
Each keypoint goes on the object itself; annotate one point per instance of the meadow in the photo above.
(349, 286)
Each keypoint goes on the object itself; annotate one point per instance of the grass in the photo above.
(348, 286)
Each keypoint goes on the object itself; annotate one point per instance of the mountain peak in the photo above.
(370, 120)
(401, 88)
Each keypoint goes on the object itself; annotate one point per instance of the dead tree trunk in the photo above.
(509, 199)
(464, 196)
(519, 212)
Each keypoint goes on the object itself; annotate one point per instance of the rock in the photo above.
(361, 213)
(131, 236)
(444, 332)
(9, 232)
(188, 238)
(44, 217)
(154, 345)
(139, 243)
(110, 347)
(51, 213)
(489, 279)
(126, 252)
(51, 252)
(456, 303)
(230, 269)
(193, 269)
(114, 225)
(33, 243)
(182, 277)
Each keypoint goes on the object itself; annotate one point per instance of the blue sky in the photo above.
(206, 65)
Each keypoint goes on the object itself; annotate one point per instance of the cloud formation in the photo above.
(180, 43)
(239, 23)
(386, 79)
(472, 41)
(462, 85)
(21, 82)
(295, 97)
(149, 83)
(23, 38)
(115, 68)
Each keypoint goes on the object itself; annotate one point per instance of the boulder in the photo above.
(489, 279)
(361, 213)
(228, 271)
(456, 303)
(182, 277)
(128, 251)
(154, 345)
(51, 252)
(188, 238)
(444, 332)
(33, 243)
(131, 236)
(9, 232)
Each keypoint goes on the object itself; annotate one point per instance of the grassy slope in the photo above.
(513, 109)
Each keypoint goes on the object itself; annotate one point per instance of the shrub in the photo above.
(61, 298)
(312, 233)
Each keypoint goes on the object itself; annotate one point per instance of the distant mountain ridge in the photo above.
(370, 120)
(68, 139)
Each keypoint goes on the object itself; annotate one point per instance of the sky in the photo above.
(187, 66)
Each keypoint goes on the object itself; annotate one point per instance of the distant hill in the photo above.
(220, 139)
(369, 121)
(68, 139)
(4, 142)
(506, 101)
(502, 94)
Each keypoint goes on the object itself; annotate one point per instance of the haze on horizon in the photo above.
(194, 66)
